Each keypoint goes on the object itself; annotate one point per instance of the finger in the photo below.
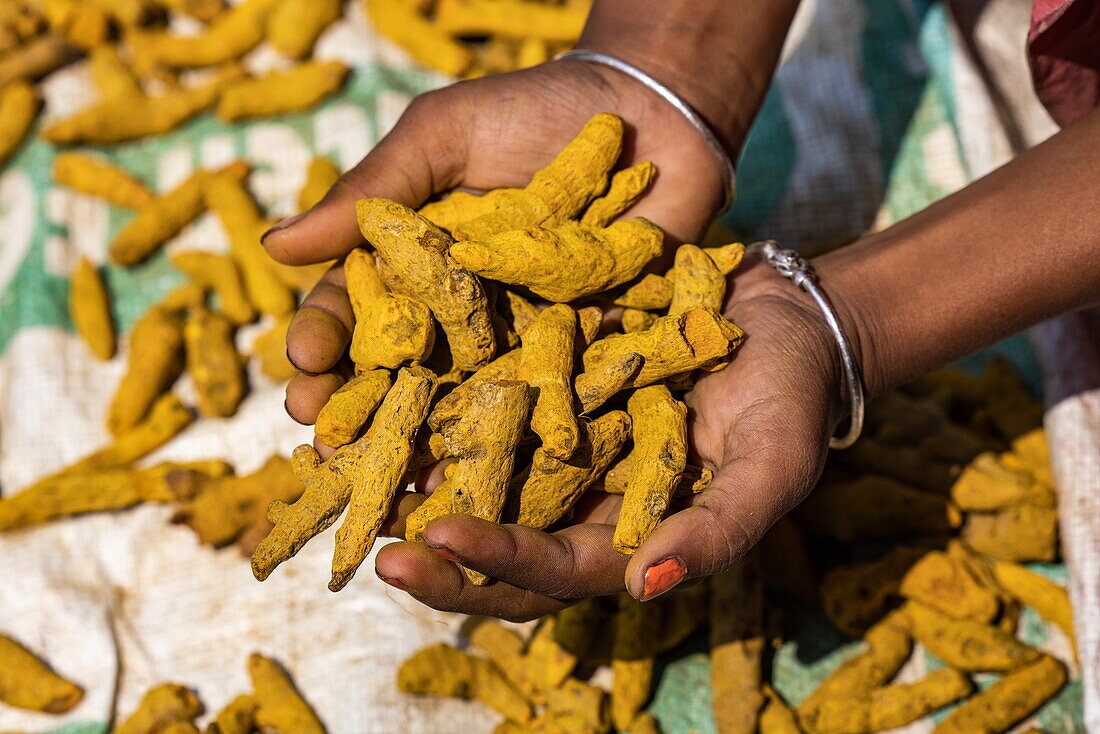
(405, 504)
(749, 493)
(307, 394)
(431, 476)
(573, 563)
(320, 331)
(422, 155)
(443, 585)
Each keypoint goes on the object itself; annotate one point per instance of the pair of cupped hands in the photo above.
(762, 424)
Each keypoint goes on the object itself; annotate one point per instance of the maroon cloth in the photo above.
(1063, 49)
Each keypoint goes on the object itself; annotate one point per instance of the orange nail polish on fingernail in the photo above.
(445, 553)
(281, 224)
(662, 576)
(396, 583)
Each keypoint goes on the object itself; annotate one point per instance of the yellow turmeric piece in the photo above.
(230, 35)
(552, 486)
(1020, 533)
(215, 365)
(635, 320)
(659, 458)
(945, 584)
(737, 646)
(19, 105)
(294, 25)
(165, 419)
(226, 195)
(644, 723)
(650, 293)
(888, 707)
(160, 708)
(280, 92)
(857, 596)
(519, 312)
(460, 207)
(698, 284)
(697, 338)
(391, 329)
(967, 645)
(439, 503)
(726, 257)
(347, 411)
(35, 59)
(566, 262)
(238, 717)
(441, 670)
(28, 683)
(627, 186)
(560, 642)
(111, 76)
(576, 706)
(220, 274)
(90, 175)
(419, 253)
(777, 717)
(78, 493)
(484, 441)
(889, 645)
(402, 22)
(233, 509)
(635, 630)
(505, 648)
(90, 309)
(204, 10)
(986, 484)
(512, 18)
(547, 366)
(452, 406)
(270, 348)
(615, 374)
(375, 467)
(1008, 701)
(82, 25)
(1049, 599)
(559, 192)
(280, 705)
(321, 175)
(693, 480)
(155, 361)
(121, 119)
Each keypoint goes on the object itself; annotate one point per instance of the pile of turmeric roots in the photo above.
(274, 705)
(915, 536)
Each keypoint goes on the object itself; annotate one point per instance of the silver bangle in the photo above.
(790, 265)
(729, 178)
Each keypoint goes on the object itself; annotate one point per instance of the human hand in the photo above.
(762, 424)
(483, 134)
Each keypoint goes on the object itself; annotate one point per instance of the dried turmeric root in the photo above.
(566, 262)
(441, 670)
(697, 338)
(777, 717)
(161, 707)
(90, 175)
(294, 25)
(1049, 599)
(238, 717)
(512, 18)
(280, 92)
(215, 365)
(347, 411)
(320, 177)
(945, 584)
(1008, 701)
(165, 419)
(111, 76)
(19, 106)
(79, 493)
(967, 645)
(391, 330)
(737, 646)
(552, 486)
(560, 642)
(234, 509)
(547, 366)
(559, 192)
(419, 253)
(650, 293)
(375, 466)
(155, 361)
(635, 630)
(280, 705)
(220, 274)
(857, 596)
(90, 309)
(121, 119)
(28, 683)
(452, 406)
(627, 186)
(986, 484)
(270, 348)
(1020, 533)
(35, 59)
(659, 458)
(230, 35)
(505, 649)
(484, 441)
(698, 282)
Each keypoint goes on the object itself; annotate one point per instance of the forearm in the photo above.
(1012, 249)
(719, 55)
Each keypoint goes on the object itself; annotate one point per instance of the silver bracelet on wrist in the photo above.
(790, 265)
(729, 179)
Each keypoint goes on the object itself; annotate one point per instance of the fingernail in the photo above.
(445, 553)
(662, 576)
(396, 583)
(281, 224)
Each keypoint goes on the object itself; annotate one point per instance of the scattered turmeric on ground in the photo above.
(281, 92)
(90, 309)
(90, 175)
(27, 682)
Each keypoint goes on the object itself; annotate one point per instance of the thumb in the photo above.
(748, 494)
(423, 155)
